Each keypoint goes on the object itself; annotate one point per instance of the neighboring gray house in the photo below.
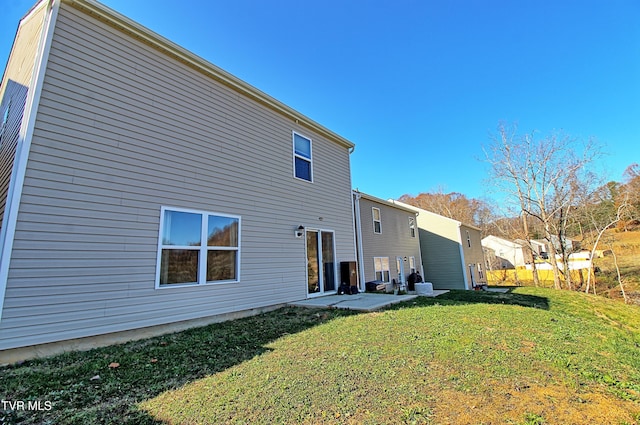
(142, 186)
(452, 254)
(542, 245)
(387, 238)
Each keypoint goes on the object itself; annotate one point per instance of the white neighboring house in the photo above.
(502, 253)
(538, 248)
(541, 246)
(577, 261)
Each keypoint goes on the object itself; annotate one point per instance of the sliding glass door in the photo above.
(321, 262)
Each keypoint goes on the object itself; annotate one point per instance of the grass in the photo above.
(532, 356)
(627, 249)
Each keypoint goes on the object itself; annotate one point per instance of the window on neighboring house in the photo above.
(480, 272)
(412, 265)
(198, 248)
(381, 266)
(5, 122)
(377, 221)
(412, 227)
(302, 162)
(468, 239)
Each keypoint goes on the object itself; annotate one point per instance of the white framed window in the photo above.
(377, 220)
(197, 247)
(412, 265)
(480, 272)
(381, 267)
(468, 239)
(302, 158)
(412, 227)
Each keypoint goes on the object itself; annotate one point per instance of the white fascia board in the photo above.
(389, 203)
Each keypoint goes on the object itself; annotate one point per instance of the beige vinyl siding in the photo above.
(13, 94)
(123, 130)
(394, 241)
(474, 254)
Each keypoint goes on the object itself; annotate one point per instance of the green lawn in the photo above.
(533, 356)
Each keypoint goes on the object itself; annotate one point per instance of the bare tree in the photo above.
(541, 176)
(615, 262)
(630, 191)
(602, 214)
(509, 175)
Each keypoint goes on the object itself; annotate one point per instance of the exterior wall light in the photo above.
(299, 231)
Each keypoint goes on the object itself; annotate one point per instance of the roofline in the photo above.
(420, 210)
(169, 48)
(389, 203)
(512, 244)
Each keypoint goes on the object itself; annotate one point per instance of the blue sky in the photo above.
(419, 86)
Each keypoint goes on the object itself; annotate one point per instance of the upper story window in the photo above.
(468, 239)
(377, 221)
(412, 227)
(302, 162)
(198, 247)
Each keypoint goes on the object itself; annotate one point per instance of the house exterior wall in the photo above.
(446, 254)
(123, 130)
(393, 241)
(16, 81)
(441, 251)
(508, 254)
(473, 256)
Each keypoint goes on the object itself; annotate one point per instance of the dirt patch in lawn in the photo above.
(533, 404)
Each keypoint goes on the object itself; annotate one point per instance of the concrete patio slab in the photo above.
(361, 302)
(495, 289)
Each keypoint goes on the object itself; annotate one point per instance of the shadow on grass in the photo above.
(105, 384)
(460, 297)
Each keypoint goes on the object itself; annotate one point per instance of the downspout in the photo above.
(23, 147)
(419, 246)
(360, 265)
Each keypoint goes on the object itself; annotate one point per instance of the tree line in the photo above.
(551, 190)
